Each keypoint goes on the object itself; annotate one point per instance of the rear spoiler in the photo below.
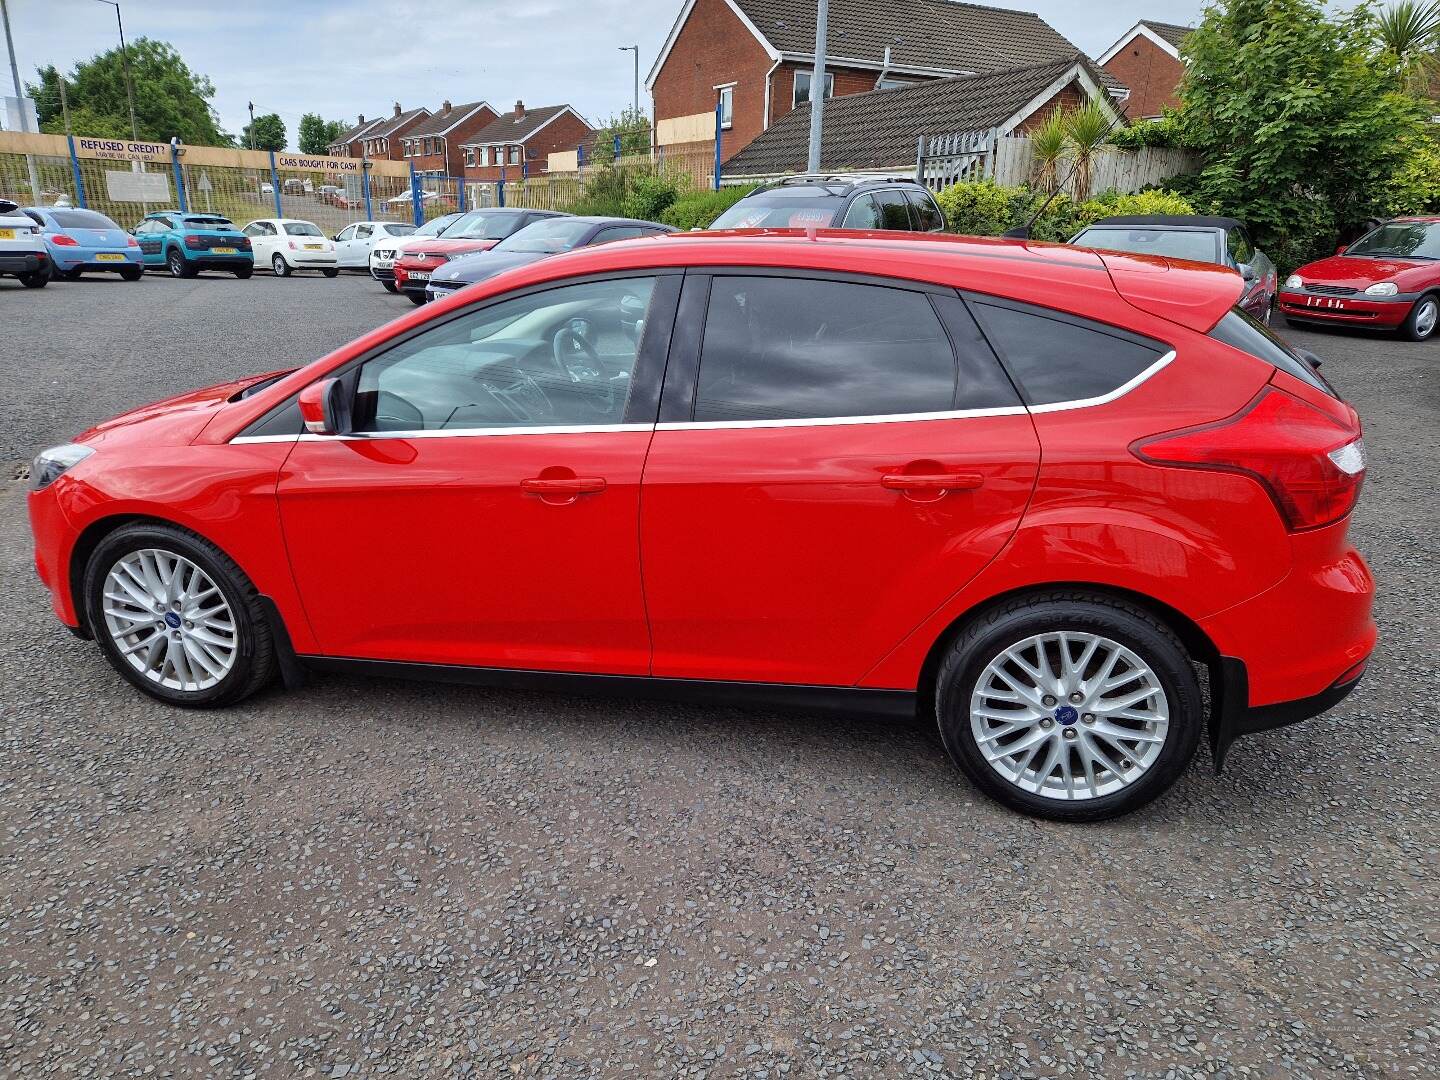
(1195, 295)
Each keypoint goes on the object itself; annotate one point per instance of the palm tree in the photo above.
(1087, 131)
(1410, 32)
(1047, 150)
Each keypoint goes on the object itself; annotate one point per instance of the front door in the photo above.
(150, 235)
(845, 457)
(485, 510)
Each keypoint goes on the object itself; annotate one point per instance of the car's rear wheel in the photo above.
(280, 266)
(331, 272)
(71, 275)
(1069, 706)
(243, 272)
(1420, 324)
(177, 617)
(35, 279)
(178, 265)
(133, 273)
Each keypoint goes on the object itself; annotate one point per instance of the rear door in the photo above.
(836, 456)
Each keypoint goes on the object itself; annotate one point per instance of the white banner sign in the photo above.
(141, 187)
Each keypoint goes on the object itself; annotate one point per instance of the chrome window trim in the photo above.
(439, 433)
(836, 421)
(1104, 399)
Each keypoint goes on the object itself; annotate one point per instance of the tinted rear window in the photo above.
(1055, 357)
(82, 219)
(1174, 244)
(779, 211)
(209, 223)
(1240, 330)
(787, 348)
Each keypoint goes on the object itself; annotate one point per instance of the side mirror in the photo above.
(1341, 249)
(1247, 272)
(324, 409)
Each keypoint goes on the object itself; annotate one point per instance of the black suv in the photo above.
(835, 202)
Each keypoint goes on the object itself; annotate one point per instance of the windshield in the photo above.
(1400, 239)
(433, 227)
(302, 228)
(397, 230)
(1170, 243)
(778, 212)
(209, 223)
(82, 219)
(482, 225)
(556, 234)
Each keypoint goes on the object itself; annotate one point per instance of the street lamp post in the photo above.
(636, 50)
(125, 59)
(250, 135)
(20, 101)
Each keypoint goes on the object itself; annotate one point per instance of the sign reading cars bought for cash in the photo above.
(334, 164)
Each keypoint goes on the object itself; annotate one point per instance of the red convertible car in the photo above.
(1389, 278)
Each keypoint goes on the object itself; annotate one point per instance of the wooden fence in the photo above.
(973, 155)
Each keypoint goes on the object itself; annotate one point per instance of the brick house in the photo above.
(878, 130)
(521, 141)
(1147, 60)
(755, 58)
(349, 143)
(383, 140)
(433, 146)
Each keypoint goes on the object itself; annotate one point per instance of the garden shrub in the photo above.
(697, 209)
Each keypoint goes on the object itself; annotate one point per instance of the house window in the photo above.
(470, 158)
(883, 84)
(727, 106)
(802, 86)
(514, 155)
(484, 156)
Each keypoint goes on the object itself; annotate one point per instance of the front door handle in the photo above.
(931, 481)
(563, 485)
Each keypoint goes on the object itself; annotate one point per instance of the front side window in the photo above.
(727, 106)
(563, 357)
(804, 81)
(1058, 358)
(792, 348)
(863, 214)
(347, 233)
(1238, 245)
(363, 232)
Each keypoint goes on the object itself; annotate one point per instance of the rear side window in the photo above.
(927, 215)
(894, 210)
(1055, 357)
(793, 348)
(1241, 331)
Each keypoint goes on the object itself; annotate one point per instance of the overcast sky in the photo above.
(344, 57)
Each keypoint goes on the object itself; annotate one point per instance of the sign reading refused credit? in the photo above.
(122, 149)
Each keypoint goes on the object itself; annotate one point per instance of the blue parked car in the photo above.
(80, 240)
(185, 244)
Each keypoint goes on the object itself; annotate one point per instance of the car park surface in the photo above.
(815, 891)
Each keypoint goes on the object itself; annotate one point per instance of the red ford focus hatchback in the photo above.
(1042, 494)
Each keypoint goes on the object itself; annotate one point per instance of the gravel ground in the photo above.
(371, 878)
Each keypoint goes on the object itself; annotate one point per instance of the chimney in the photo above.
(397, 108)
(362, 118)
(445, 108)
(519, 109)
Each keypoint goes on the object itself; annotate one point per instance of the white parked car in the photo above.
(289, 244)
(22, 250)
(354, 242)
(384, 254)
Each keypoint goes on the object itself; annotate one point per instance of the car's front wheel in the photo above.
(133, 273)
(176, 617)
(1420, 324)
(390, 286)
(179, 266)
(1069, 706)
(330, 271)
(71, 275)
(416, 298)
(280, 266)
(34, 279)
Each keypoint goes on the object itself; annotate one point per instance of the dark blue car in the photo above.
(185, 244)
(534, 242)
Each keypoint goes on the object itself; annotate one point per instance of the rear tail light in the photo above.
(62, 240)
(243, 243)
(130, 241)
(1311, 465)
(195, 242)
(294, 246)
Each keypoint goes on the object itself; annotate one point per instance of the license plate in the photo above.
(108, 256)
(7, 234)
(222, 251)
(419, 275)
(1323, 302)
(314, 247)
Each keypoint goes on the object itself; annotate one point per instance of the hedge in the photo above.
(985, 208)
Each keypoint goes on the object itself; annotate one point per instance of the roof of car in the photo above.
(602, 219)
(1177, 221)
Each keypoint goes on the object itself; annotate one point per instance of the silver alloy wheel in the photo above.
(1426, 316)
(1069, 715)
(169, 620)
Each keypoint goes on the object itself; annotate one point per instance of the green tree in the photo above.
(1410, 32)
(265, 133)
(1300, 121)
(316, 134)
(634, 131)
(170, 99)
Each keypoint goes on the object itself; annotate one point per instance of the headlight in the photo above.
(1382, 288)
(1294, 282)
(50, 464)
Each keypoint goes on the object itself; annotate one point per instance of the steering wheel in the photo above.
(578, 359)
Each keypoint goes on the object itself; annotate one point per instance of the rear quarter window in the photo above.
(1054, 357)
(1242, 331)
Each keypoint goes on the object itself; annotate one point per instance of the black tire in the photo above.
(331, 272)
(254, 663)
(70, 275)
(416, 298)
(390, 286)
(1424, 312)
(178, 265)
(133, 273)
(35, 279)
(1009, 624)
(280, 266)
(243, 272)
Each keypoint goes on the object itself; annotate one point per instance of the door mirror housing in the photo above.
(1247, 272)
(1341, 249)
(325, 408)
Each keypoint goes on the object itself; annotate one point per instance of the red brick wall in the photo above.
(1069, 97)
(452, 162)
(1151, 73)
(563, 133)
(782, 85)
(715, 47)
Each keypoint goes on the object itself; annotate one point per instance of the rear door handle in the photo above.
(931, 481)
(565, 485)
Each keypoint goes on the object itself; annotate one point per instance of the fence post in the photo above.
(416, 210)
(500, 187)
(75, 172)
(920, 159)
(579, 155)
(179, 176)
(365, 188)
(275, 186)
(460, 185)
(718, 134)
(617, 148)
